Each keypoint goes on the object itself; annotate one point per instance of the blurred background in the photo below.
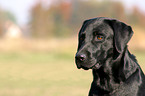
(38, 42)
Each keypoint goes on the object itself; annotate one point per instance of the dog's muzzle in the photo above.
(80, 62)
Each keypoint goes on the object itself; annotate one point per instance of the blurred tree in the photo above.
(61, 16)
(64, 18)
(50, 22)
(1, 24)
(9, 16)
(137, 17)
(5, 16)
(91, 9)
(41, 22)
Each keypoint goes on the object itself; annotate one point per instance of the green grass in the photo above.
(44, 74)
(140, 56)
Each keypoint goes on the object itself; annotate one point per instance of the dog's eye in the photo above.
(99, 38)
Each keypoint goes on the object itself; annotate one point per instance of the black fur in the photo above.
(103, 48)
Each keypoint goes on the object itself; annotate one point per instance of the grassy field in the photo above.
(42, 74)
(45, 73)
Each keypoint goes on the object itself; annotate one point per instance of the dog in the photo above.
(103, 48)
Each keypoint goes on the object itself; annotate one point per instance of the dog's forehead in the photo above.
(101, 27)
(97, 26)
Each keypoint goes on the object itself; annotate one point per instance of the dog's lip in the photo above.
(96, 66)
(85, 68)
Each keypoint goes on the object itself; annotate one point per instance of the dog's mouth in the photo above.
(95, 66)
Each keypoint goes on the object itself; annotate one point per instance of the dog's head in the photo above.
(101, 39)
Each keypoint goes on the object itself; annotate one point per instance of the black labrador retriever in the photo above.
(103, 48)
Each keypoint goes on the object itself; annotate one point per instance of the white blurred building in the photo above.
(12, 31)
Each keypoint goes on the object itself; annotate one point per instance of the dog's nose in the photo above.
(80, 57)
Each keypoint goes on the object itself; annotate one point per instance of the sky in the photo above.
(130, 3)
(21, 8)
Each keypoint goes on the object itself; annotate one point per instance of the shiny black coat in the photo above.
(103, 48)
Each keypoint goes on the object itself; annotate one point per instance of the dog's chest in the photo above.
(126, 90)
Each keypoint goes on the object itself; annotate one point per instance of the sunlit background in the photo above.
(38, 41)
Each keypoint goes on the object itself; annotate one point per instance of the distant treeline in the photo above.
(63, 19)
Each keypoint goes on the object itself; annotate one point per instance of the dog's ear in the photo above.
(122, 34)
(128, 66)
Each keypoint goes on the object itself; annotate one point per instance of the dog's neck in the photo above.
(110, 77)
